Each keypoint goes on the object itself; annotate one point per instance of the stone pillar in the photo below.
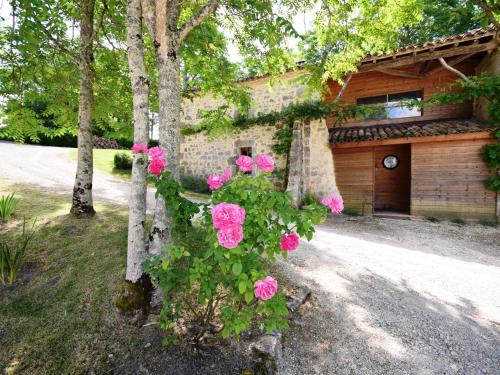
(311, 166)
(294, 185)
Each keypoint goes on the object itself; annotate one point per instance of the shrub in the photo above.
(153, 143)
(458, 220)
(488, 222)
(123, 161)
(214, 274)
(432, 219)
(7, 205)
(198, 185)
(309, 199)
(12, 255)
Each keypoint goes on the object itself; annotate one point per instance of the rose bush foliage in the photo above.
(220, 278)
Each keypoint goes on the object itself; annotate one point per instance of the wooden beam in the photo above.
(401, 73)
(429, 138)
(451, 63)
(408, 60)
(425, 66)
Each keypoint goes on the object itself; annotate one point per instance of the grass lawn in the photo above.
(59, 317)
(103, 160)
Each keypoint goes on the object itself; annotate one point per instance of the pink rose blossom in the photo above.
(157, 152)
(334, 202)
(230, 236)
(214, 182)
(245, 163)
(289, 242)
(227, 214)
(265, 163)
(226, 176)
(140, 148)
(156, 166)
(265, 289)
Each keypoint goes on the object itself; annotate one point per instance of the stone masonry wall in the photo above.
(201, 156)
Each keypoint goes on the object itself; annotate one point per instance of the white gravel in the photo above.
(53, 167)
(396, 297)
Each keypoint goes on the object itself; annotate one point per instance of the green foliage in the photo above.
(196, 184)
(122, 161)
(8, 204)
(458, 220)
(309, 199)
(432, 219)
(443, 18)
(12, 254)
(207, 283)
(488, 222)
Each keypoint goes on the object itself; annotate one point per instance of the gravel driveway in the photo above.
(52, 167)
(396, 297)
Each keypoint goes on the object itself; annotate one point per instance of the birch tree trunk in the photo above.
(136, 249)
(82, 205)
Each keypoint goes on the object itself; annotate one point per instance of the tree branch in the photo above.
(452, 69)
(195, 20)
(344, 87)
(149, 15)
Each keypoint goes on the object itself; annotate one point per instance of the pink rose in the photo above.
(227, 214)
(140, 148)
(265, 289)
(334, 202)
(226, 176)
(157, 152)
(156, 166)
(214, 182)
(245, 163)
(265, 163)
(289, 242)
(230, 236)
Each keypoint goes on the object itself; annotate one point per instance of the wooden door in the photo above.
(392, 183)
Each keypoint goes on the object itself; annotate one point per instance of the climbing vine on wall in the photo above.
(217, 122)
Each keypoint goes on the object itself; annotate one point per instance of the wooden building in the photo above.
(417, 162)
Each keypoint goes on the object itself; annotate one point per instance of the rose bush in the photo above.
(214, 273)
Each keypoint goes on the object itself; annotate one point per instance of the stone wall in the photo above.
(266, 98)
(201, 156)
(311, 166)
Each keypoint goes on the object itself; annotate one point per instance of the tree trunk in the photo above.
(136, 250)
(169, 118)
(82, 205)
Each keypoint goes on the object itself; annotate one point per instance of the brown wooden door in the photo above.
(392, 186)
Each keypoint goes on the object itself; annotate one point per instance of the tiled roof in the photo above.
(439, 42)
(404, 130)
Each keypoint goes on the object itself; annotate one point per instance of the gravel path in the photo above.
(396, 297)
(52, 167)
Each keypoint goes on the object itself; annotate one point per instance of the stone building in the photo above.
(400, 160)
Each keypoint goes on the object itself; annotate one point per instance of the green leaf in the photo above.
(248, 296)
(237, 268)
(242, 286)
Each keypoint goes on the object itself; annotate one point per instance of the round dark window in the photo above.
(390, 162)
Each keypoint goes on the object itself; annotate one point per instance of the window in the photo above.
(391, 106)
(247, 151)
